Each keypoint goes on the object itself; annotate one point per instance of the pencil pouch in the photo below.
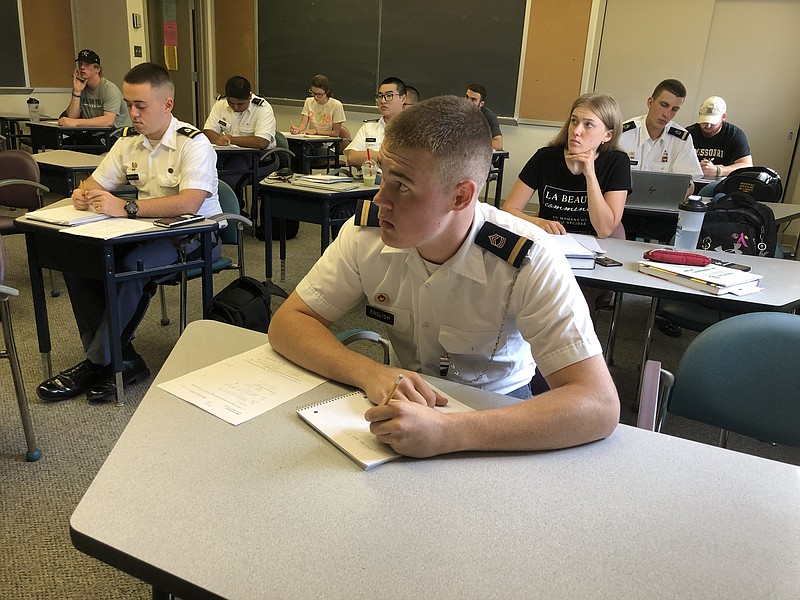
(677, 257)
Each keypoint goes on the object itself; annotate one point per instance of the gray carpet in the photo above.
(37, 499)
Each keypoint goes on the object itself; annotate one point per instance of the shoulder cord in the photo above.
(449, 361)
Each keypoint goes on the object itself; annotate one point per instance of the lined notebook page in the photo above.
(341, 420)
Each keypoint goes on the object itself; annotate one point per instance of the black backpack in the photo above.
(737, 223)
(245, 302)
(762, 183)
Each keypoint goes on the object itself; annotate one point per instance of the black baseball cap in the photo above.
(88, 56)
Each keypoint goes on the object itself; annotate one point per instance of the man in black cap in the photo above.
(95, 102)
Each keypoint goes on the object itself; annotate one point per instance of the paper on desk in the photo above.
(110, 228)
(244, 386)
(589, 242)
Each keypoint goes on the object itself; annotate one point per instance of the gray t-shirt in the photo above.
(105, 98)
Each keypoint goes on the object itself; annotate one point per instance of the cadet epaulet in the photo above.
(366, 214)
(258, 101)
(125, 132)
(678, 133)
(371, 120)
(628, 125)
(190, 132)
(509, 246)
(221, 97)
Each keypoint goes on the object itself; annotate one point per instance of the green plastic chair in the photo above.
(739, 375)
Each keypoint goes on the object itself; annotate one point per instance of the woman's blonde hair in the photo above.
(606, 109)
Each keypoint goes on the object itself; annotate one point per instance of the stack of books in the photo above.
(326, 182)
(712, 278)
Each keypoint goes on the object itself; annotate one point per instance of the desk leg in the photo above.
(114, 329)
(325, 233)
(283, 249)
(208, 274)
(266, 216)
(651, 319)
(498, 185)
(612, 329)
(39, 305)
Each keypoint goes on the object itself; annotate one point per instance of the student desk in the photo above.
(496, 174)
(781, 284)
(305, 147)
(270, 509)
(60, 168)
(10, 130)
(52, 136)
(312, 205)
(95, 258)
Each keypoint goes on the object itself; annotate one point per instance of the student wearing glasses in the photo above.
(322, 113)
(391, 98)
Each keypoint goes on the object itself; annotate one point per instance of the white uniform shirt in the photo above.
(178, 162)
(257, 119)
(323, 116)
(671, 152)
(460, 307)
(369, 136)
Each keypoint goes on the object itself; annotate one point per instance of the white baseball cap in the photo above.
(711, 110)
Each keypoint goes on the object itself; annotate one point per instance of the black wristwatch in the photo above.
(132, 209)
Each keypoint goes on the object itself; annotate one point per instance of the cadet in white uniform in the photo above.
(173, 167)
(241, 119)
(671, 152)
(390, 99)
(654, 142)
(464, 290)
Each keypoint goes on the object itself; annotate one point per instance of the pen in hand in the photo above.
(392, 391)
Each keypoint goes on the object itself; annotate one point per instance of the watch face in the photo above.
(131, 207)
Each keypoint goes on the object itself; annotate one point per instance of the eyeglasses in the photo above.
(317, 95)
(387, 97)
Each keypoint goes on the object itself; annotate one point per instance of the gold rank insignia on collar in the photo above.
(509, 246)
(366, 214)
(189, 132)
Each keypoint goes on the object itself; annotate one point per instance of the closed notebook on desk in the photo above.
(341, 420)
(65, 215)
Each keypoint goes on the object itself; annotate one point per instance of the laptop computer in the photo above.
(655, 191)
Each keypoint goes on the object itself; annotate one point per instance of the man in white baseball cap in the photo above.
(721, 146)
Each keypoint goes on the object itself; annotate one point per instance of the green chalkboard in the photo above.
(438, 47)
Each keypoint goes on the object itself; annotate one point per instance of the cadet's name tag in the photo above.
(384, 316)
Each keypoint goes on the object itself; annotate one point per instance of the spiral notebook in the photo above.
(341, 420)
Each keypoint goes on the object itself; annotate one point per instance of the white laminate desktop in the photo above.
(270, 509)
(781, 280)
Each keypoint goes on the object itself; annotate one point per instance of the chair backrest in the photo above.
(229, 204)
(281, 142)
(741, 375)
(18, 164)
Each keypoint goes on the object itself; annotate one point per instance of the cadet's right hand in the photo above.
(79, 199)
